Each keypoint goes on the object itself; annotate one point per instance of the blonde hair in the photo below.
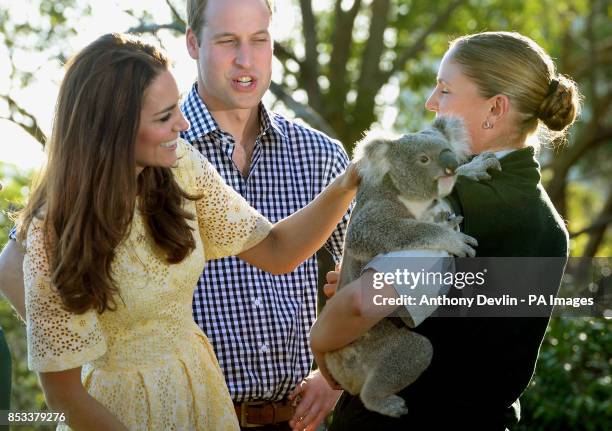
(516, 66)
(195, 14)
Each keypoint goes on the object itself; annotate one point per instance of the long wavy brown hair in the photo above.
(88, 191)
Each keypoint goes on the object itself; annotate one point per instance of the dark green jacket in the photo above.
(481, 365)
(511, 215)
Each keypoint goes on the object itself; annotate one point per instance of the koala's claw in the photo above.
(396, 407)
(489, 155)
(451, 220)
(442, 217)
(462, 245)
(454, 221)
(490, 161)
(393, 406)
(477, 168)
(469, 240)
(481, 176)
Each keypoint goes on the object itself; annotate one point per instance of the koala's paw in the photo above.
(442, 217)
(454, 221)
(394, 406)
(446, 218)
(461, 245)
(477, 168)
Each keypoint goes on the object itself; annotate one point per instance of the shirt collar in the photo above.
(269, 120)
(203, 123)
(502, 153)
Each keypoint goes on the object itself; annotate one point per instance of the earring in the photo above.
(487, 125)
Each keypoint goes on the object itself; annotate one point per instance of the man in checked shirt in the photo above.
(258, 323)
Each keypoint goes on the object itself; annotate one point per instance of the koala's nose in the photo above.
(448, 161)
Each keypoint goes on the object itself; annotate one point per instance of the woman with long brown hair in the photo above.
(116, 234)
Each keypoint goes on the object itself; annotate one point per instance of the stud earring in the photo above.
(487, 125)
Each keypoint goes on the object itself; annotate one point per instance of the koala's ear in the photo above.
(454, 130)
(370, 155)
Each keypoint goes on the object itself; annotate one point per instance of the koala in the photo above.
(399, 206)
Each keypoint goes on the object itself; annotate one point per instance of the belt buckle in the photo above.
(244, 423)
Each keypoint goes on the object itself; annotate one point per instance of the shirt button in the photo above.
(263, 348)
(257, 302)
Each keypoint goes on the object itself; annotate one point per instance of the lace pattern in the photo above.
(147, 362)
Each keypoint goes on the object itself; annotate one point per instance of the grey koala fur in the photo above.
(397, 208)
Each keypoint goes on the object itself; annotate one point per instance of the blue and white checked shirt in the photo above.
(259, 323)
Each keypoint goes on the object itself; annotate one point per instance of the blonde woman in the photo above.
(505, 87)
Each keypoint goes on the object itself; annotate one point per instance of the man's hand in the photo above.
(316, 400)
(329, 289)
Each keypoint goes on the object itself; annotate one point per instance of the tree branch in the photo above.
(591, 61)
(302, 111)
(580, 67)
(604, 103)
(363, 110)
(419, 44)
(591, 139)
(154, 28)
(564, 49)
(32, 129)
(598, 228)
(177, 17)
(341, 39)
(592, 134)
(368, 83)
(598, 224)
(372, 53)
(283, 53)
(309, 69)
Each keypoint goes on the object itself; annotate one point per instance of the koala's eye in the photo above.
(424, 159)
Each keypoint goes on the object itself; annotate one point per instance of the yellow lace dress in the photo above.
(147, 362)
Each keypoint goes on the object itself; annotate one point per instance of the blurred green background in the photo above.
(343, 67)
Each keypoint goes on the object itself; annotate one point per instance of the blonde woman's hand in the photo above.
(331, 285)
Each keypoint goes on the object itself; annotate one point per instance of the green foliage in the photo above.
(48, 31)
(584, 203)
(15, 189)
(571, 389)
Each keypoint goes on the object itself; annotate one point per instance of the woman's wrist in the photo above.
(348, 181)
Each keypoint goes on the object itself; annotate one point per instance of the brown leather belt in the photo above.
(259, 413)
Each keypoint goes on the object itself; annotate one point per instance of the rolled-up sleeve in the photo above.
(434, 267)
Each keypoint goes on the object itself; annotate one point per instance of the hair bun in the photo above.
(561, 105)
